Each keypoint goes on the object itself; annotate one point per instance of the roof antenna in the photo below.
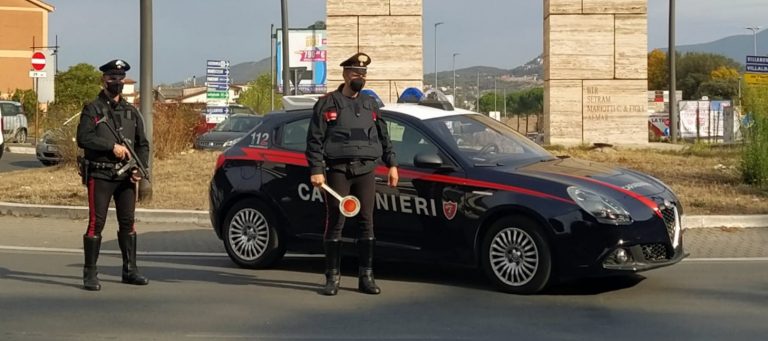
(397, 92)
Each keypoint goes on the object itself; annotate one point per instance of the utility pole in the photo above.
(477, 108)
(145, 71)
(455, 98)
(754, 30)
(672, 75)
(286, 52)
(436, 25)
(272, 66)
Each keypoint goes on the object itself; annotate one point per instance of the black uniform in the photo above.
(346, 136)
(100, 167)
(345, 139)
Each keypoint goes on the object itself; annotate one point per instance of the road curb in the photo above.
(21, 150)
(202, 218)
(81, 212)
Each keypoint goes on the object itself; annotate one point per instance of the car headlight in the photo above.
(232, 142)
(605, 210)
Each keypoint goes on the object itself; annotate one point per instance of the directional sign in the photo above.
(38, 61)
(756, 78)
(217, 110)
(759, 60)
(216, 72)
(218, 63)
(757, 68)
(217, 87)
(217, 79)
(217, 94)
(37, 74)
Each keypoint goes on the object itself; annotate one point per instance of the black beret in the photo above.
(357, 61)
(115, 67)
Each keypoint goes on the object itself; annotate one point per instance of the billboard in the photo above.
(307, 57)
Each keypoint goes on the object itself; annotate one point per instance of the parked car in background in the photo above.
(48, 148)
(15, 125)
(208, 121)
(228, 132)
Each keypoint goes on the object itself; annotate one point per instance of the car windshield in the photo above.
(238, 124)
(241, 110)
(483, 141)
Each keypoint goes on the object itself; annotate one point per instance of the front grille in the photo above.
(655, 252)
(669, 214)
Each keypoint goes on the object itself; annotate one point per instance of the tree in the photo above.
(695, 69)
(487, 102)
(658, 70)
(257, 96)
(78, 85)
(27, 98)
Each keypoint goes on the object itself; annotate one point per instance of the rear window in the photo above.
(10, 109)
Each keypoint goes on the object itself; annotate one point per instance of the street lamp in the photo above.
(454, 76)
(754, 30)
(673, 119)
(436, 25)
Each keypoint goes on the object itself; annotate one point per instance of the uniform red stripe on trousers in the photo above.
(91, 209)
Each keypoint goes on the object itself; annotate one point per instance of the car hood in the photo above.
(575, 172)
(220, 136)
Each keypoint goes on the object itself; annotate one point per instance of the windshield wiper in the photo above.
(497, 164)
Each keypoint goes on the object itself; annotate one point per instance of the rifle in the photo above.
(133, 159)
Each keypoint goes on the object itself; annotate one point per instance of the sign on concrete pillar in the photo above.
(595, 71)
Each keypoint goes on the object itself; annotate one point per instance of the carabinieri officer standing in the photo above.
(346, 137)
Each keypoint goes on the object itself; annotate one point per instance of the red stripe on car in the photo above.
(300, 159)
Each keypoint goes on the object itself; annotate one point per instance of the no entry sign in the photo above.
(38, 61)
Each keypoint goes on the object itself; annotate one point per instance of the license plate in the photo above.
(52, 148)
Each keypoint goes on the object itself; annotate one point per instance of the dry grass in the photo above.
(180, 182)
(707, 180)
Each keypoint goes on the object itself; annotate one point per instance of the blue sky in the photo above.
(500, 33)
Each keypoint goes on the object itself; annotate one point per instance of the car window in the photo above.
(241, 110)
(9, 109)
(293, 135)
(483, 140)
(408, 141)
(237, 124)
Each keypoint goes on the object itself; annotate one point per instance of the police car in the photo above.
(472, 191)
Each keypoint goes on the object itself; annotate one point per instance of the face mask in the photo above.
(115, 88)
(357, 84)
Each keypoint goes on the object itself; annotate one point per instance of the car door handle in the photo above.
(380, 180)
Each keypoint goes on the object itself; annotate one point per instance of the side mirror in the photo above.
(428, 160)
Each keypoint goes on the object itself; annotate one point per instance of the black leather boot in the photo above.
(366, 284)
(131, 275)
(91, 248)
(332, 267)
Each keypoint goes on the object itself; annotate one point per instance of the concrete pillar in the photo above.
(389, 31)
(595, 71)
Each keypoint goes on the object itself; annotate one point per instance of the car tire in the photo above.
(516, 256)
(21, 136)
(251, 237)
(2, 148)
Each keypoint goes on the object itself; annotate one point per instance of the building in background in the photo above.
(24, 22)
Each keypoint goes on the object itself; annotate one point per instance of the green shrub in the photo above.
(754, 165)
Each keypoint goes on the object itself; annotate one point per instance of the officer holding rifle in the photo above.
(116, 152)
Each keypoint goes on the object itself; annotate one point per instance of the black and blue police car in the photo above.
(472, 191)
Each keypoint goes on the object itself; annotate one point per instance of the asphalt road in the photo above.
(209, 298)
(11, 162)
